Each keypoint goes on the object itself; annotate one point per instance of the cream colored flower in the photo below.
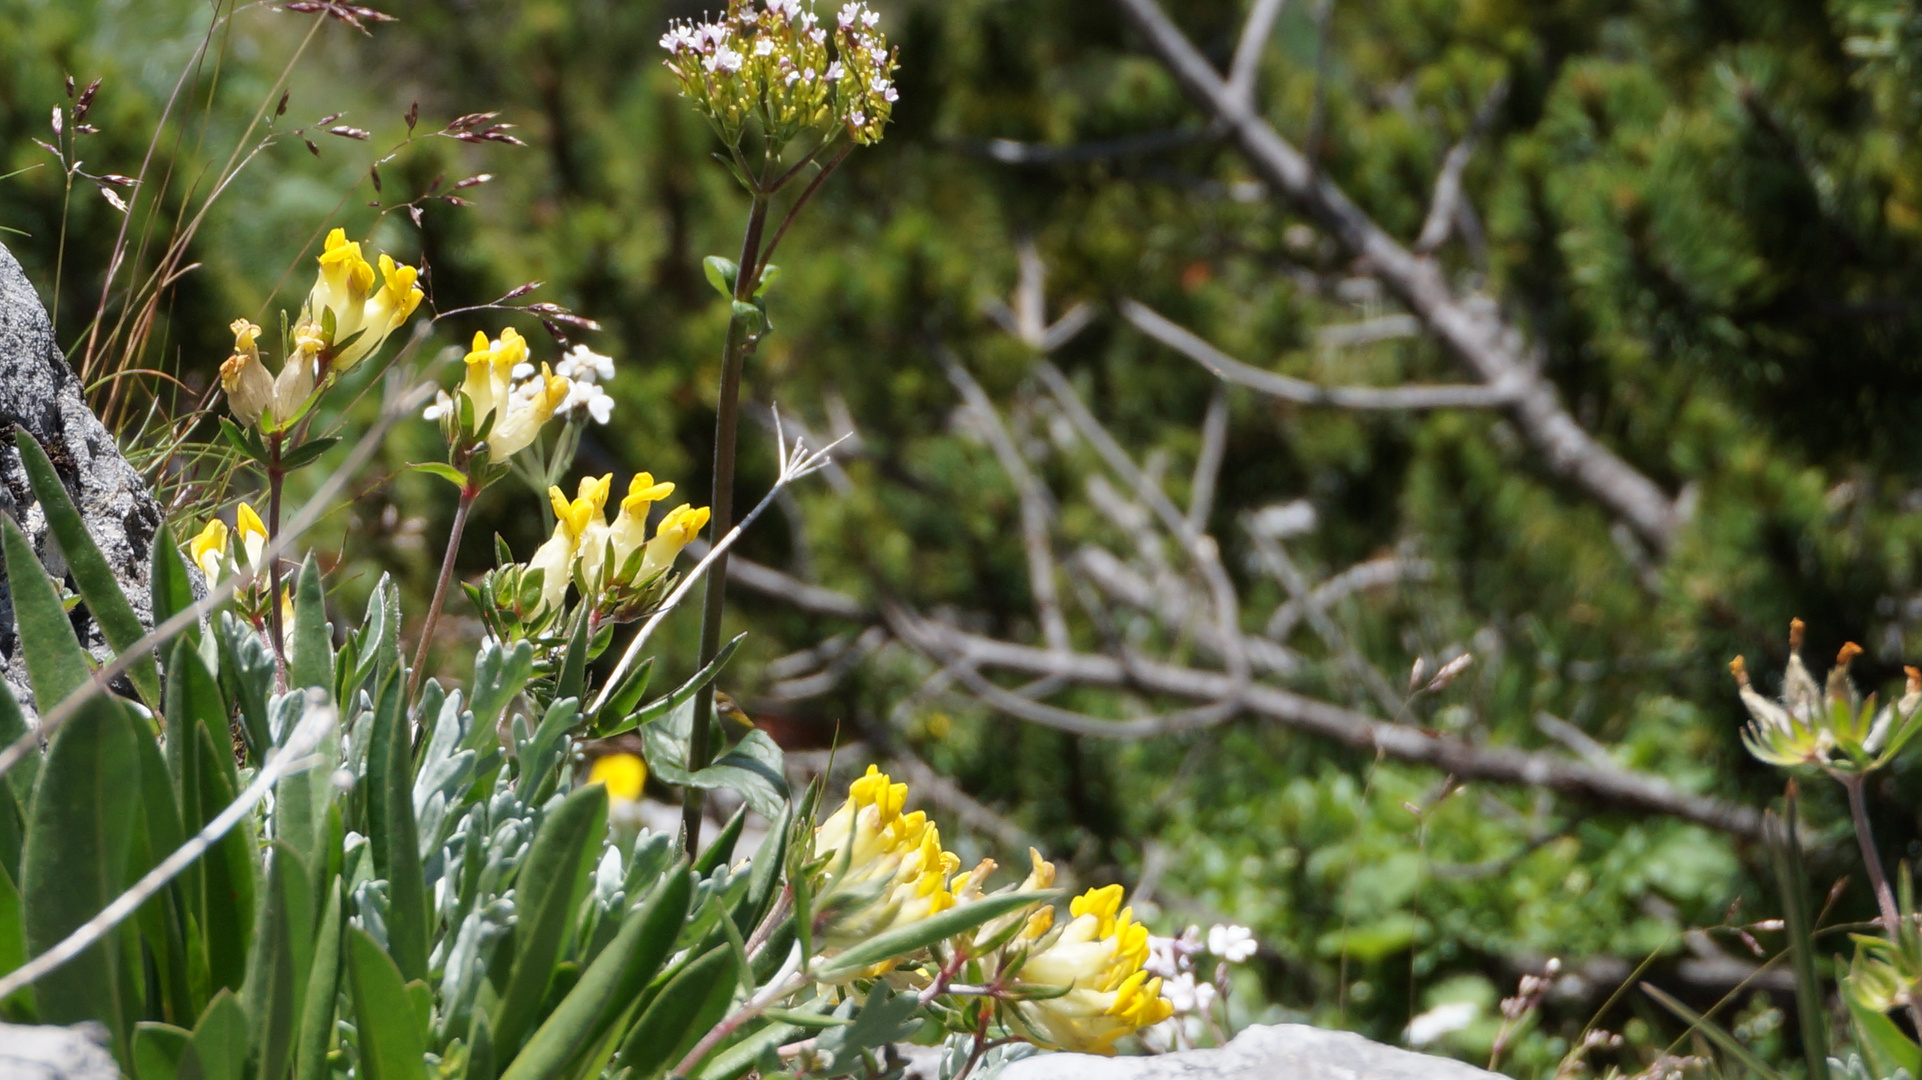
(574, 519)
(352, 317)
(1098, 956)
(529, 406)
(253, 536)
(629, 530)
(208, 550)
(243, 378)
(682, 524)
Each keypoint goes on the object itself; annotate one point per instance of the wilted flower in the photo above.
(1832, 726)
(253, 394)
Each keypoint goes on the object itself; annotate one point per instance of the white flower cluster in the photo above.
(768, 65)
(1174, 959)
(586, 370)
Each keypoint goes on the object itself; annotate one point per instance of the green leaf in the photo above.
(885, 1017)
(1792, 881)
(79, 831)
(541, 755)
(13, 724)
(1888, 1049)
(749, 316)
(687, 1008)
(721, 273)
(755, 769)
(307, 453)
(441, 469)
(56, 664)
(480, 1049)
(615, 978)
(722, 849)
(92, 577)
(312, 663)
(282, 948)
(627, 693)
(391, 828)
(317, 1006)
(1729, 1044)
(158, 1050)
(661, 707)
(915, 936)
(228, 867)
(573, 677)
(219, 1047)
(499, 674)
(246, 443)
(390, 1043)
(764, 872)
(173, 590)
(550, 885)
(247, 670)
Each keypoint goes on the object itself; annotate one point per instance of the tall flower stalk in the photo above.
(765, 77)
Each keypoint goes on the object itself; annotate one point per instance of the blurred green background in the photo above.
(1707, 212)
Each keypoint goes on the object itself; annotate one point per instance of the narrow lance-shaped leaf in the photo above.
(550, 885)
(392, 831)
(312, 663)
(56, 664)
(687, 1008)
(390, 1043)
(96, 581)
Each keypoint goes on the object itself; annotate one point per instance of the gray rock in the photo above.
(56, 1053)
(39, 392)
(1281, 1052)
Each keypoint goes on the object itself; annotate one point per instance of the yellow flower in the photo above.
(208, 550)
(629, 530)
(490, 370)
(253, 535)
(244, 378)
(528, 406)
(352, 317)
(573, 519)
(1098, 955)
(682, 524)
(624, 774)
(883, 868)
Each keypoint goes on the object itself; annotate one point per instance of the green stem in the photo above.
(468, 493)
(726, 421)
(276, 478)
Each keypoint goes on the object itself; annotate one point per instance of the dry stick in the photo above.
(721, 502)
(1610, 786)
(1035, 511)
(294, 755)
(794, 466)
(468, 493)
(1254, 38)
(1474, 330)
(1230, 370)
(1214, 449)
(399, 406)
(1448, 185)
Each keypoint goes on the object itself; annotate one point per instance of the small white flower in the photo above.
(834, 71)
(764, 46)
(591, 398)
(724, 60)
(869, 18)
(1232, 943)
(442, 406)
(1439, 1021)
(890, 95)
(524, 370)
(583, 364)
(1187, 995)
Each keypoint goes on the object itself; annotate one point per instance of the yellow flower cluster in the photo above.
(884, 868)
(519, 409)
(601, 556)
(1074, 986)
(1099, 955)
(344, 320)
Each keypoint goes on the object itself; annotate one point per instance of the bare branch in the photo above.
(1014, 152)
(1373, 574)
(1200, 547)
(1276, 558)
(1447, 198)
(1036, 511)
(1611, 786)
(1476, 332)
(1124, 585)
(1254, 38)
(1228, 369)
(1214, 446)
